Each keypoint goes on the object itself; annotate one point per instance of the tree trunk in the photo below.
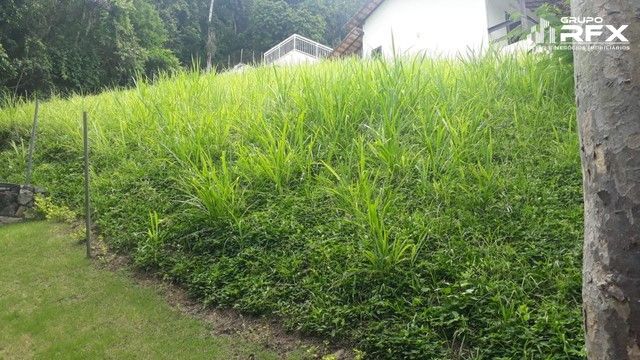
(608, 96)
(210, 45)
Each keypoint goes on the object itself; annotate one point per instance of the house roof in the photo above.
(365, 11)
(350, 43)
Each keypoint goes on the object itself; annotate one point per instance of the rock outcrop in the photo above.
(16, 200)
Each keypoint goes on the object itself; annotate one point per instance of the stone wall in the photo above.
(15, 201)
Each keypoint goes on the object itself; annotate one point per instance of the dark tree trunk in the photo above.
(608, 95)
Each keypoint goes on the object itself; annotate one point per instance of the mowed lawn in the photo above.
(55, 305)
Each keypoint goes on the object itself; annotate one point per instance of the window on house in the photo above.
(376, 53)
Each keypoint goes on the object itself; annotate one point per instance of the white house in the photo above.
(295, 50)
(436, 28)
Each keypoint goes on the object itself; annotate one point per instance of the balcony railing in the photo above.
(298, 43)
(511, 31)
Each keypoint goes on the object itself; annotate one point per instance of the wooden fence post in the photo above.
(87, 206)
(32, 144)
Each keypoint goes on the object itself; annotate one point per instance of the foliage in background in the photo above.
(554, 15)
(419, 209)
(79, 46)
(251, 25)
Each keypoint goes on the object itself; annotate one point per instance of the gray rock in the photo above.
(21, 210)
(9, 199)
(25, 197)
(8, 209)
(17, 200)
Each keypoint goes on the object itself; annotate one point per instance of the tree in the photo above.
(608, 96)
(210, 47)
(336, 14)
(274, 20)
(53, 46)
(185, 23)
(49, 46)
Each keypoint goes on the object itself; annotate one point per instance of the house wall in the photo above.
(295, 57)
(437, 28)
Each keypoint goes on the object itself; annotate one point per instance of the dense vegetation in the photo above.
(419, 209)
(83, 46)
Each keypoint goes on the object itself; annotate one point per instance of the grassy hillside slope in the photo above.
(418, 209)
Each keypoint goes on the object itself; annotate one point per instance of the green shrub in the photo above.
(50, 211)
(149, 251)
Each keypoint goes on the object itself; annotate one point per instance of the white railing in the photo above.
(298, 43)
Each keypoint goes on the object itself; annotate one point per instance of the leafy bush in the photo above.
(417, 208)
(50, 211)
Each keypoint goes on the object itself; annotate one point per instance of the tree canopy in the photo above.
(65, 46)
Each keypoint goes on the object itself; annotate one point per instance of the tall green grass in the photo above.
(416, 208)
